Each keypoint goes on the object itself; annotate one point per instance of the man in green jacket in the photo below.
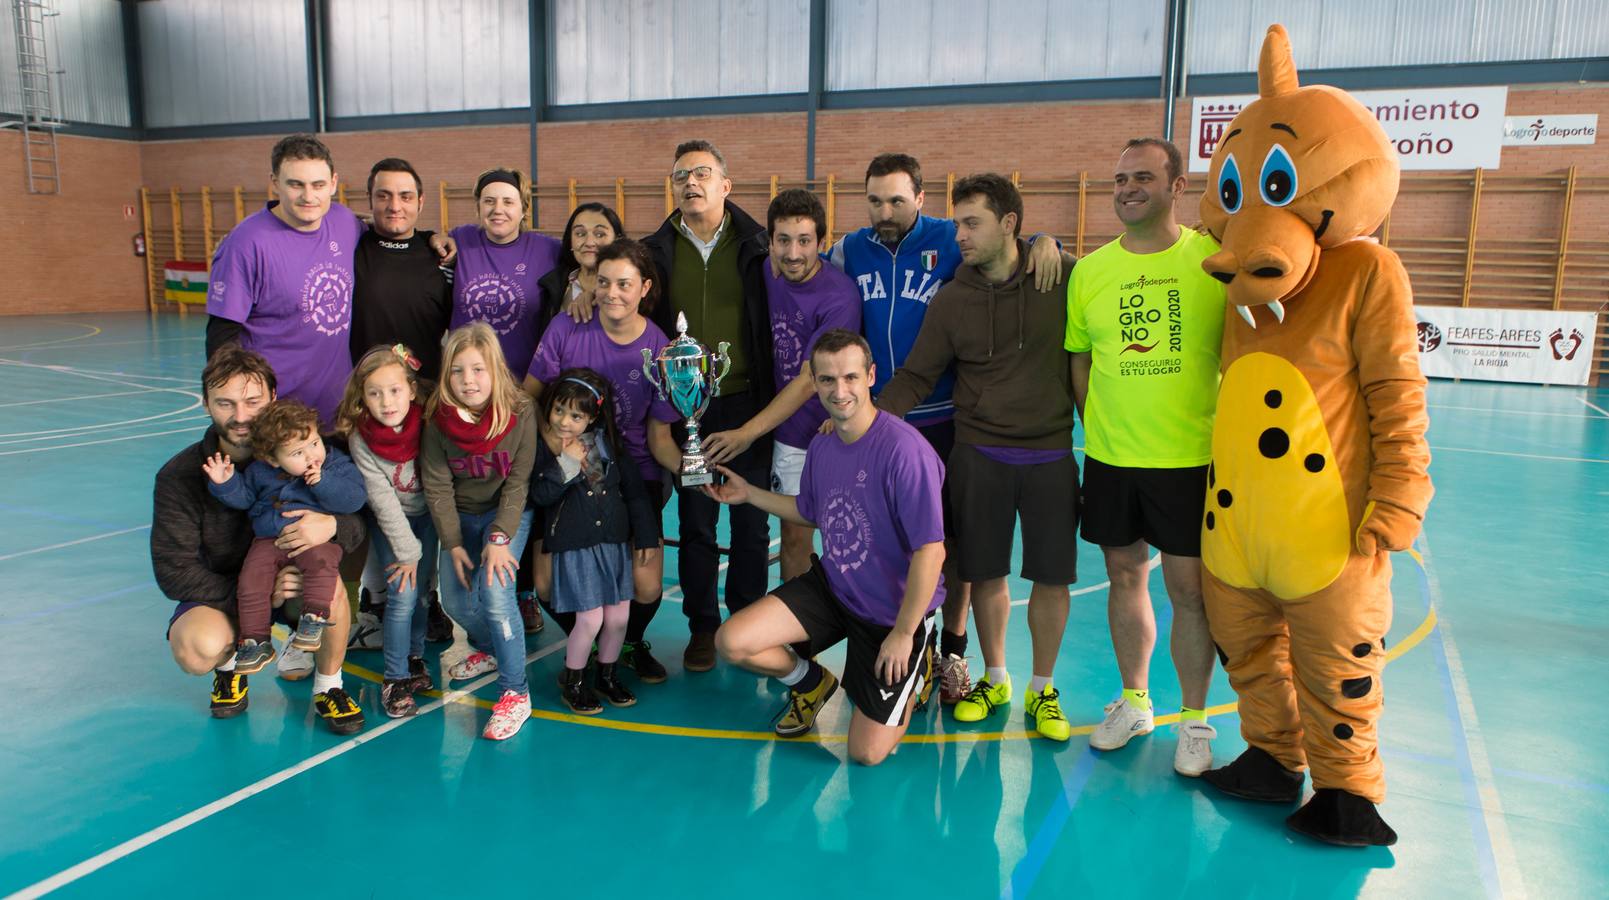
(1013, 455)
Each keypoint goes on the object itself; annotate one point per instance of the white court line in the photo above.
(79, 397)
(1513, 412)
(77, 431)
(1583, 459)
(116, 440)
(101, 860)
(84, 540)
(74, 370)
(1509, 878)
(1594, 406)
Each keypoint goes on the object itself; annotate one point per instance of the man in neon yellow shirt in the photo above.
(1144, 325)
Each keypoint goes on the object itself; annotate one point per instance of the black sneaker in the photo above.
(228, 694)
(577, 693)
(636, 657)
(339, 711)
(419, 675)
(438, 628)
(610, 688)
(397, 698)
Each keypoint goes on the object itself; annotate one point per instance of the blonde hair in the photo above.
(506, 395)
(352, 411)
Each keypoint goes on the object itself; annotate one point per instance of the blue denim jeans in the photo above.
(489, 614)
(405, 615)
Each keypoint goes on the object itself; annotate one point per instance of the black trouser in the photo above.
(698, 562)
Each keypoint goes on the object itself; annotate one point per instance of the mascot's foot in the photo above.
(1337, 817)
(1255, 775)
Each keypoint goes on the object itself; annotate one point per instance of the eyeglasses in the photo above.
(697, 173)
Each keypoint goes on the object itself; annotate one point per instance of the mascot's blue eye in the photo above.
(1278, 180)
(1229, 186)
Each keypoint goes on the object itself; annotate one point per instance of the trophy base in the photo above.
(695, 479)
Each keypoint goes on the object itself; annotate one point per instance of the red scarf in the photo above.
(470, 437)
(393, 446)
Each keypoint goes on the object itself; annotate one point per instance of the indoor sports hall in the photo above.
(135, 135)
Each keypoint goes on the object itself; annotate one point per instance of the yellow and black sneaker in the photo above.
(799, 716)
(228, 694)
(339, 711)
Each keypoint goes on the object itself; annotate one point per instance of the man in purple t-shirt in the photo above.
(281, 281)
(806, 300)
(873, 486)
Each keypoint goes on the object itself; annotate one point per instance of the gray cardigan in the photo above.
(396, 493)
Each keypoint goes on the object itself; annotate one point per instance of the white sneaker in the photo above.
(294, 664)
(1122, 723)
(473, 666)
(1194, 753)
(366, 633)
(508, 716)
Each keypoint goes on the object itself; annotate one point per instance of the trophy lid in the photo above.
(681, 324)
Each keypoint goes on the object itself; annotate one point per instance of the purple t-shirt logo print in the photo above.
(327, 298)
(497, 302)
(845, 531)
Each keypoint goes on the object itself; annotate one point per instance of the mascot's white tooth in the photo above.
(1245, 313)
(1279, 310)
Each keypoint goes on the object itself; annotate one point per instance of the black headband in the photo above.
(494, 176)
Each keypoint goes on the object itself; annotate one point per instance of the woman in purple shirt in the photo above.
(499, 265)
(612, 343)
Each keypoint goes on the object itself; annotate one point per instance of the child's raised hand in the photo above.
(219, 468)
(312, 475)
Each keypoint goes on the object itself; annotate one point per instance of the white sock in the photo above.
(1038, 683)
(800, 667)
(322, 682)
(996, 675)
(228, 666)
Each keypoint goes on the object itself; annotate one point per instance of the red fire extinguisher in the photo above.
(139, 244)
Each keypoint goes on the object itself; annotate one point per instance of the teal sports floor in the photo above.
(116, 782)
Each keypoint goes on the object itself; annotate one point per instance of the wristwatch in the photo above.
(497, 539)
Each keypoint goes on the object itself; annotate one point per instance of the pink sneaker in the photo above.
(472, 666)
(507, 716)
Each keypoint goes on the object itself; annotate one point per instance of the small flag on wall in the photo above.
(186, 282)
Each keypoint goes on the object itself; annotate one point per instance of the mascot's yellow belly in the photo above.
(1276, 510)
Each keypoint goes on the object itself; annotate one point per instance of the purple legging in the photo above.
(607, 625)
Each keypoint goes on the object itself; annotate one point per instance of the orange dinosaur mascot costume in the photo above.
(1318, 452)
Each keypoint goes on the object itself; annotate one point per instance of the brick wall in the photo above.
(1048, 143)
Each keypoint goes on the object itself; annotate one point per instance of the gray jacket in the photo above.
(396, 494)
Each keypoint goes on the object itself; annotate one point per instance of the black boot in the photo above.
(577, 693)
(1337, 817)
(609, 686)
(439, 628)
(1255, 775)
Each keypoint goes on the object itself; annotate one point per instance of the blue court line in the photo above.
(1518, 774)
(75, 604)
(1044, 840)
(1466, 772)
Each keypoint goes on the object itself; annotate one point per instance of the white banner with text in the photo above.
(1545, 347)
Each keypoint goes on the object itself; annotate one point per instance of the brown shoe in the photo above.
(700, 653)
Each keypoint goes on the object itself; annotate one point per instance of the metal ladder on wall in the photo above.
(39, 119)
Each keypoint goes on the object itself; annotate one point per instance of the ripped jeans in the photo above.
(489, 614)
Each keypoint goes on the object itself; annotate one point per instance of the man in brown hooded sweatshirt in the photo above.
(1013, 452)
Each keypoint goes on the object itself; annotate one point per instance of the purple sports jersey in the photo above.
(567, 345)
(800, 313)
(291, 292)
(875, 501)
(496, 284)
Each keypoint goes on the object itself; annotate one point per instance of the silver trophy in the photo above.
(684, 374)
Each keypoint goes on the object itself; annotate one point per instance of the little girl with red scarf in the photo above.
(478, 448)
(382, 418)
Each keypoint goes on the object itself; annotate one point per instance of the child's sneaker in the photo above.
(397, 698)
(508, 716)
(252, 656)
(419, 675)
(474, 665)
(309, 632)
(293, 664)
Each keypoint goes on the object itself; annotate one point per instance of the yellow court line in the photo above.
(93, 330)
(1408, 643)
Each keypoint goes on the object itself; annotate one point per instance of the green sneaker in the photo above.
(799, 716)
(983, 699)
(1044, 710)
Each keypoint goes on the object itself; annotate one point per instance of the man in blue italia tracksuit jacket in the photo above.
(899, 262)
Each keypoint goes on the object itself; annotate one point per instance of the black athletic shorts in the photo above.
(993, 495)
(1163, 507)
(826, 622)
(941, 437)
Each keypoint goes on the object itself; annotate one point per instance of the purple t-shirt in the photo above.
(800, 313)
(291, 292)
(567, 345)
(496, 284)
(875, 501)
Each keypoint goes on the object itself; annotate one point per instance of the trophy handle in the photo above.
(726, 366)
(649, 370)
